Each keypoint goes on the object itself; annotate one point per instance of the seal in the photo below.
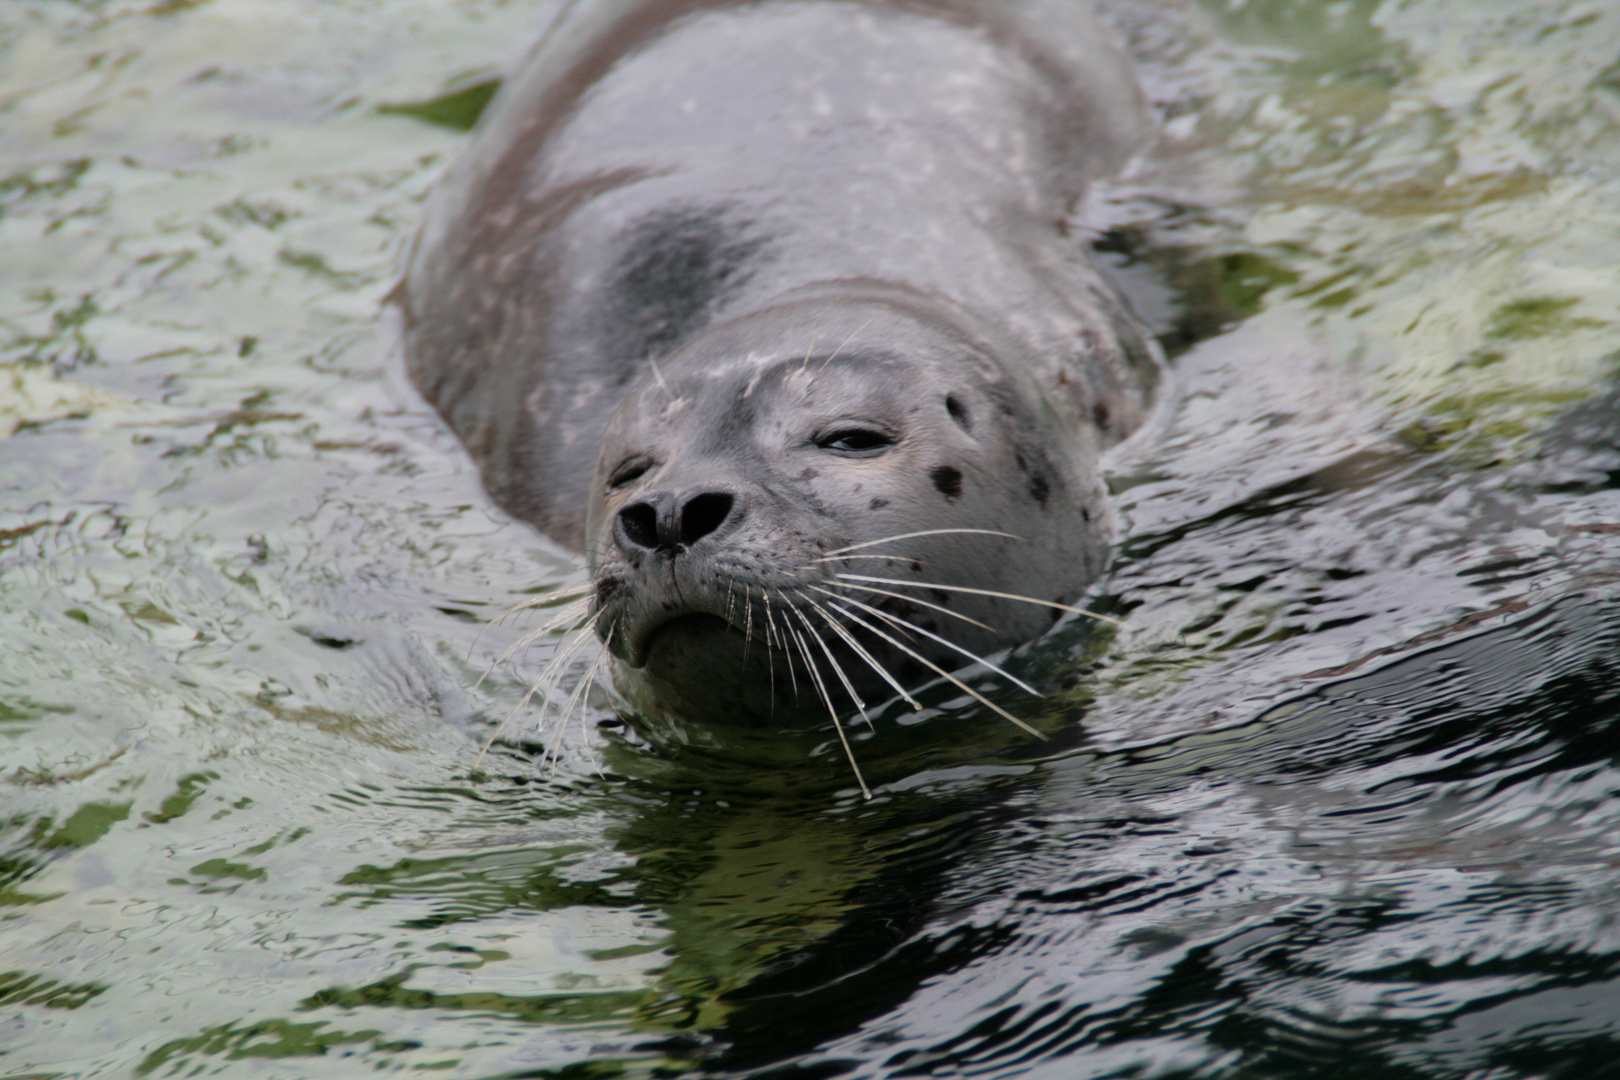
(777, 310)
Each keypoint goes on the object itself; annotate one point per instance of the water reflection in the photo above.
(1350, 883)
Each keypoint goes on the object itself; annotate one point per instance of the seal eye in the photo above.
(854, 440)
(630, 470)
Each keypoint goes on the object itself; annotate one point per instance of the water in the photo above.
(1342, 799)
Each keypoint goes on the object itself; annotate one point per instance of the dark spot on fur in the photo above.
(1039, 489)
(916, 567)
(877, 504)
(942, 596)
(958, 413)
(1085, 514)
(808, 474)
(678, 264)
(606, 589)
(948, 481)
(1099, 414)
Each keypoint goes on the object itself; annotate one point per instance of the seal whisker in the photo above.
(896, 620)
(748, 620)
(552, 678)
(579, 592)
(575, 698)
(770, 627)
(523, 642)
(652, 362)
(810, 668)
(910, 600)
(846, 341)
(911, 535)
(590, 680)
(844, 558)
(826, 698)
(947, 676)
(771, 624)
(565, 615)
(770, 661)
(860, 650)
(548, 675)
(553, 675)
(562, 615)
(984, 592)
(838, 669)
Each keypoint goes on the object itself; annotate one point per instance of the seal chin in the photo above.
(643, 631)
(674, 637)
(699, 669)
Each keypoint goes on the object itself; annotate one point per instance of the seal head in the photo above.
(816, 505)
(776, 310)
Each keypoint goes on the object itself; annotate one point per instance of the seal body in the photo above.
(773, 309)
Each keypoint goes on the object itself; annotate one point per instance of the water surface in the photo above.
(1342, 799)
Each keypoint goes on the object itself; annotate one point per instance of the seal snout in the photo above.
(666, 524)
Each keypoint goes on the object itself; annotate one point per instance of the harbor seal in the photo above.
(777, 311)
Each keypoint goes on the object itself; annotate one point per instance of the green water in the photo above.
(244, 824)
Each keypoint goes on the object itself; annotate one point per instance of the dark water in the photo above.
(1341, 799)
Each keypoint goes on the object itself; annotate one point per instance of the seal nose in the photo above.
(664, 523)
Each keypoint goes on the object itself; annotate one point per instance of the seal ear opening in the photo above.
(958, 413)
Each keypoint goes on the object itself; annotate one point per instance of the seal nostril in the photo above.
(703, 514)
(639, 522)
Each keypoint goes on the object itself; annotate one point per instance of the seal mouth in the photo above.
(682, 629)
(705, 650)
(684, 625)
(699, 669)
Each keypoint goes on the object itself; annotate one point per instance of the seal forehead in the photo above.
(751, 407)
(759, 383)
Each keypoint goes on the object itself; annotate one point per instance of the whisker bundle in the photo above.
(569, 613)
(983, 592)
(895, 620)
(532, 602)
(547, 679)
(923, 532)
(861, 651)
(936, 669)
(913, 600)
(815, 676)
